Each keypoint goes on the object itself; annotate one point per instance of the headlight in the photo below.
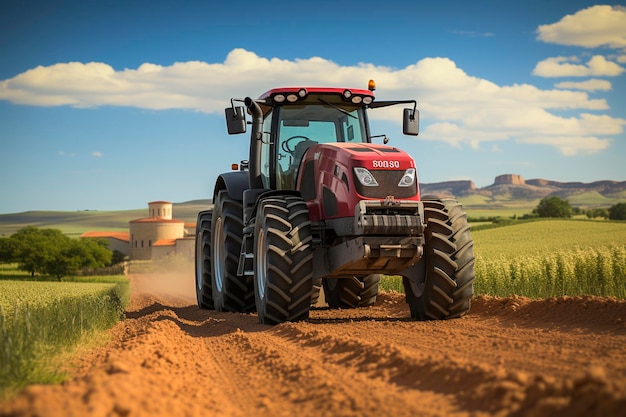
(408, 179)
(365, 177)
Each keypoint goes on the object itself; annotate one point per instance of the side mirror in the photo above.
(235, 120)
(411, 122)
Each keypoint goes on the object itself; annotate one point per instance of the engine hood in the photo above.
(366, 155)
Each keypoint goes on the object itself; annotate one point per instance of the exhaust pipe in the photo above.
(254, 171)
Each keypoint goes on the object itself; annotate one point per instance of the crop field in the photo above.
(40, 320)
(552, 257)
(547, 258)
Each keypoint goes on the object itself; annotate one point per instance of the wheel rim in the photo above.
(219, 255)
(199, 260)
(261, 264)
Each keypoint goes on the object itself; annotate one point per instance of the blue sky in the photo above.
(106, 105)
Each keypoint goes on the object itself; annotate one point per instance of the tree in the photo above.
(618, 212)
(553, 206)
(50, 252)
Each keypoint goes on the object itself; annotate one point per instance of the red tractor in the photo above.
(318, 205)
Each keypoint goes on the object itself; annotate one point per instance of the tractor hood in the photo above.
(335, 177)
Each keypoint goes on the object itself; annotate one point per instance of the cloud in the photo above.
(97, 154)
(455, 107)
(589, 85)
(593, 27)
(561, 66)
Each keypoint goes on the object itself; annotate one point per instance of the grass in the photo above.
(40, 322)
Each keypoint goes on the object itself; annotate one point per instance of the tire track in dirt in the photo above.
(509, 356)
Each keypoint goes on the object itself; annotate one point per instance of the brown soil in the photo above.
(509, 356)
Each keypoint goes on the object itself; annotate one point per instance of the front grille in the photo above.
(387, 185)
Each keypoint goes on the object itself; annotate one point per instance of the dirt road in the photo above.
(510, 356)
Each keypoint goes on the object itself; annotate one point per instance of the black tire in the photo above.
(204, 269)
(316, 291)
(351, 292)
(283, 260)
(230, 292)
(445, 283)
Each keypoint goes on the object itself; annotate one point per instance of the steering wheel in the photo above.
(291, 149)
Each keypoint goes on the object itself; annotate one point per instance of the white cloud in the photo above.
(593, 27)
(97, 154)
(456, 108)
(563, 67)
(589, 85)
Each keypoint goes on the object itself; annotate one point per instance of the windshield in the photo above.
(303, 125)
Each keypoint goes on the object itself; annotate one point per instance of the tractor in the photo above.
(319, 208)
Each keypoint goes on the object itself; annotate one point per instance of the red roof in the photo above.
(156, 220)
(159, 202)
(165, 242)
(123, 236)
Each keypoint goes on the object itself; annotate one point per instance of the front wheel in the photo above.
(443, 284)
(283, 260)
(230, 291)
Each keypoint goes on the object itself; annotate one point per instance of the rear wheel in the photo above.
(444, 284)
(204, 269)
(351, 292)
(230, 292)
(283, 260)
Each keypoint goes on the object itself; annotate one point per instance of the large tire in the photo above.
(445, 284)
(230, 292)
(204, 269)
(351, 292)
(283, 260)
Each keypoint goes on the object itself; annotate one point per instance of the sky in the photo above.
(107, 105)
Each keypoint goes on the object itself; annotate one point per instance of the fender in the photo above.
(234, 183)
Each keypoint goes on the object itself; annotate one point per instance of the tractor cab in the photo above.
(294, 119)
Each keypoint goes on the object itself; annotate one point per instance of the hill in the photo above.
(512, 191)
(78, 222)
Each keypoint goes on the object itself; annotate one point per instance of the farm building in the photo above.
(119, 241)
(152, 237)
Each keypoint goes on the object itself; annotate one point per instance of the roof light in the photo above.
(279, 98)
(357, 99)
(371, 85)
(347, 94)
(302, 93)
(292, 98)
(367, 100)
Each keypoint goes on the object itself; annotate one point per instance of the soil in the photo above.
(509, 357)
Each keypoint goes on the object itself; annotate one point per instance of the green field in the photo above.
(547, 258)
(545, 236)
(42, 321)
(552, 257)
